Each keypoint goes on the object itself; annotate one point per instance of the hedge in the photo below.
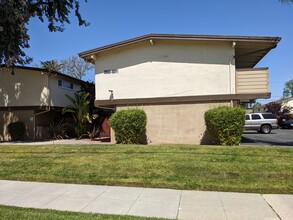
(225, 124)
(129, 125)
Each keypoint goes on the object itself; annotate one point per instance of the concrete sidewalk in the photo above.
(55, 142)
(149, 202)
(47, 142)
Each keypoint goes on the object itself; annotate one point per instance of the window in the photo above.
(255, 117)
(268, 116)
(65, 84)
(247, 117)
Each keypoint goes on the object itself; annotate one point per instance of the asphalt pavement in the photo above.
(277, 137)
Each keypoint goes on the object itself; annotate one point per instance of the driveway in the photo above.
(278, 137)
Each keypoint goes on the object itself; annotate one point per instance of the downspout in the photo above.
(230, 71)
(49, 107)
(230, 81)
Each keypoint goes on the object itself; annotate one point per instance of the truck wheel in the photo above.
(266, 129)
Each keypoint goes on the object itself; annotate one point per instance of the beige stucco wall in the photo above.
(27, 90)
(24, 88)
(289, 102)
(58, 97)
(175, 123)
(6, 117)
(166, 69)
(33, 88)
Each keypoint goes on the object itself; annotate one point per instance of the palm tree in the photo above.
(80, 110)
(51, 65)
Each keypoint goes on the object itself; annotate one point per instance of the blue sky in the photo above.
(116, 20)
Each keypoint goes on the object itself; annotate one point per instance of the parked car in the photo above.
(287, 124)
(261, 122)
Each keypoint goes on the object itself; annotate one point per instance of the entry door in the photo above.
(105, 133)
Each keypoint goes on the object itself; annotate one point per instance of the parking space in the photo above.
(278, 137)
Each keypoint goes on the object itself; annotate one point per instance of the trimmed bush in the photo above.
(16, 130)
(129, 125)
(225, 124)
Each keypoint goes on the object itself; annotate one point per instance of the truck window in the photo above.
(255, 117)
(268, 116)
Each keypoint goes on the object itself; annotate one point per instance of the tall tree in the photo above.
(278, 109)
(75, 66)
(15, 15)
(288, 89)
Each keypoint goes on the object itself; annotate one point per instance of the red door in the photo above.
(105, 132)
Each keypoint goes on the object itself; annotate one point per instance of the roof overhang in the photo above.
(50, 72)
(249, 50)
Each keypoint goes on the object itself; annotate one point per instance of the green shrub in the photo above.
(129, 125)
(225, 124)
(16, 130)
(57, 130)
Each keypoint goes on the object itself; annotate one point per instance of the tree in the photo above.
(80, 110)
(288, 89)
(15, 15)
(278, 109)
(51, 65)
(75, 66)
(256, 105)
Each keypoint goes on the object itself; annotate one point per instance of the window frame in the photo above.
(65, 84)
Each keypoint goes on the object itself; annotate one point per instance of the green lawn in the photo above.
(14, 213)
(239, 169)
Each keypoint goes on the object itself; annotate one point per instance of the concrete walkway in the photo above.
(54, 142)
(149, 202)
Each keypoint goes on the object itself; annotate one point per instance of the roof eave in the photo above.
(49, 72)
(273, 40)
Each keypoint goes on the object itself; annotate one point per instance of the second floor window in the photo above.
(65, 84)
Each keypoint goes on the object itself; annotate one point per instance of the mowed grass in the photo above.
(215, 168)
(14, 213)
